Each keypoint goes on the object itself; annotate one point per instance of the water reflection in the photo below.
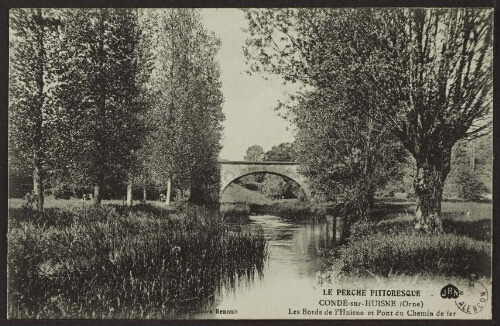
(288, 276)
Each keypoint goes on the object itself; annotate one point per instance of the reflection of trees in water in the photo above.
(283, 234)
(322, 239)
(298, 245)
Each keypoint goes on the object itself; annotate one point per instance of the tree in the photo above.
(274, 186)
(471, 169)
(254, 153)
(346, 157)
(423, 73)
(184, 115)
(282, 152)
(102, 94)
(31, 106)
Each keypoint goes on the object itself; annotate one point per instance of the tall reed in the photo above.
(100, 262)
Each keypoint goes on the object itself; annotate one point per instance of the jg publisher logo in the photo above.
(471, 300)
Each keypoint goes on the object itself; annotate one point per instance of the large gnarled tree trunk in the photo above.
(432, 169)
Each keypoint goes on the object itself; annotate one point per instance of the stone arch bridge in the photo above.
(232, 170)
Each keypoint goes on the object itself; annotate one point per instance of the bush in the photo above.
(470, 186)
(386, 254)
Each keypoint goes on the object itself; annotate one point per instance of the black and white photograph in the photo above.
(250, 163)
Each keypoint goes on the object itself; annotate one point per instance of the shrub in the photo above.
(470, 186)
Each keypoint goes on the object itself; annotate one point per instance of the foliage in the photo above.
(471, 169)
(184, 115)
(274, 186)
(84, 104)
(425, 74)
(106, 262)
(91, 73)
(102, 97)
(346, 157)
(471, 188)
(33, 78)
(254, 153)
(279, 187)
(282, 152)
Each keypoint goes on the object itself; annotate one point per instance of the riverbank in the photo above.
(388, 245)
(118, 262)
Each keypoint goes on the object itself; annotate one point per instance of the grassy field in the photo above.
(65, 203)
(236, 193)
(388, 244)
(75, 260)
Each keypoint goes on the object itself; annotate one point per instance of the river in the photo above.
(289, 277)
(290, 286)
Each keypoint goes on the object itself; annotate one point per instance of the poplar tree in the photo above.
(32, 105)
(184, 107)
(103, 94)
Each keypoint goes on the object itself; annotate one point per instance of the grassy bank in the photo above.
(115, 262)
(289, 210)
(388, 245)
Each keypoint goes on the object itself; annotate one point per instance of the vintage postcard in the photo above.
(284, 163)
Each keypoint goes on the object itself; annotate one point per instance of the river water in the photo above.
(290, 285)
(289, 277)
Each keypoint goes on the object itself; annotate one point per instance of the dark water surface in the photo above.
(290, 274)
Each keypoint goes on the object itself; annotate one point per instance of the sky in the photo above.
(249, 100)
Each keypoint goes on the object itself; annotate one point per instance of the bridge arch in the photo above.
(233, 170)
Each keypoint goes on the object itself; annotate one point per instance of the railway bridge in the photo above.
(233, 170)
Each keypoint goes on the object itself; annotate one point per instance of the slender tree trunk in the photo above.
(432, 170)
(38, 140)
(97, 194)
(129, 192)
(38, 184)
(144, 194)
(169, 190)
(101, 121)
(473, 157)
